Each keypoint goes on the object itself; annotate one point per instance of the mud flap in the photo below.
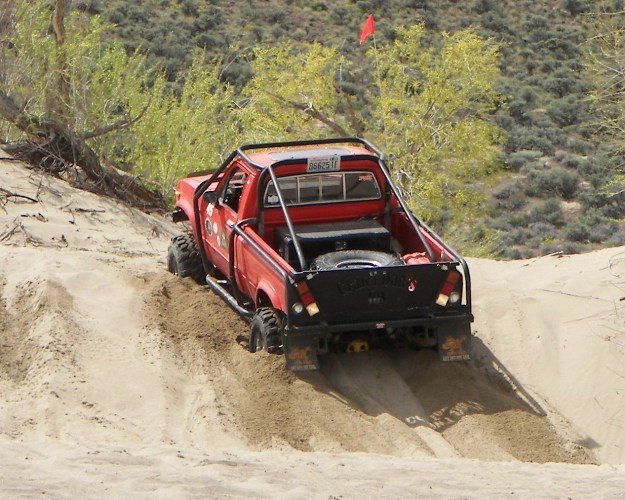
(300, 352)
(454, 342)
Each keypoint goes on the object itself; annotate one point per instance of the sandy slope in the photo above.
(118, 379)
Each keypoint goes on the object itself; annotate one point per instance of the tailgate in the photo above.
(376, 294)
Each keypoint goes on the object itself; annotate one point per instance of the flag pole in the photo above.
(377, 67)
(368, 30)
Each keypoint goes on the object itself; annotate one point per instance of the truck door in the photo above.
(223, 215)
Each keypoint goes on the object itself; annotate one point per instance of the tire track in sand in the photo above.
(392, 402)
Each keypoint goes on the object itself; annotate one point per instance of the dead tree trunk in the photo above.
(57, 149)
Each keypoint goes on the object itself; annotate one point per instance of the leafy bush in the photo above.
(577, 231)
(543, 230)
(579, 146)
(517, 220)
(560, 83)
(529, 138)
(510, 197)
(567, 110)
(512, 254)
(570, 248)
(575, 7)
(549, 212)
(516, 236)
(593, 227)
(557, 181)
(189, 8)
(569, 160)
(519, 159)
(617, 239)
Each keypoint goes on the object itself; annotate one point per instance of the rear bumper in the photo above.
(453, 337)
(429, 322)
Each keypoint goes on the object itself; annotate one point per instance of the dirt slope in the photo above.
(399, 403)
(110, 367)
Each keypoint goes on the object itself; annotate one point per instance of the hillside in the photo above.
(552, 193)
(119, 379)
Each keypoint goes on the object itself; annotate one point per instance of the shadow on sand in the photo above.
(418, 389)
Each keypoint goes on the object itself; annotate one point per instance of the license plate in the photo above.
(324, 164)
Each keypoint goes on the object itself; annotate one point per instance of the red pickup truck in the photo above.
(313, 242)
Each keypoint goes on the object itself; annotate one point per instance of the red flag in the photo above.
(368, 29)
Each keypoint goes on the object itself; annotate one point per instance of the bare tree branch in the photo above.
(55, 149)
(123, 123)
(310, 109)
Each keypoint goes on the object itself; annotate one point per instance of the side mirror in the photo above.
(211, 197)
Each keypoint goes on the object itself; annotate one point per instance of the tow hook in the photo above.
(358, 345)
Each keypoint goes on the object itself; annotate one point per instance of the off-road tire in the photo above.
(354, 259)
(183, 258)
(266, 331)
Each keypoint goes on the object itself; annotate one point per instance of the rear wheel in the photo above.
(266, 331)
(183, 258)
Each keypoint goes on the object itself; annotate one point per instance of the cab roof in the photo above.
(265, 155)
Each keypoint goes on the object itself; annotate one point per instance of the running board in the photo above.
(219, 287)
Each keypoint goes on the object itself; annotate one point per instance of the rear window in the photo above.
(332, 187)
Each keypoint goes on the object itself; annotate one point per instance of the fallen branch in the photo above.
(5, 193)
(57, 149)
(89, 210)
(17, 225)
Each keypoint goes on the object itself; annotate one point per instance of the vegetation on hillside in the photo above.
(193, 123)
(432, 90)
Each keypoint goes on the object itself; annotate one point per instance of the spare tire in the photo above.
(354, 259)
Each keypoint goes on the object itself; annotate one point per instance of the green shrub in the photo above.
(569, 160)
(567, 110)
(517, 220)
(543, 230)
(575, 7)
(549, 212)
(516, 236)
(189, 8)
(570, 248)
(557, 181)
(509, 197)
(617, 239)
(546, 248)
(498, 224)
(506, 191)
(512, 254)
(577, 231)
(592, 227)
(579, 146)
(529, 138)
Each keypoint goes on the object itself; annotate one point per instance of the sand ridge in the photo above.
(110, 367)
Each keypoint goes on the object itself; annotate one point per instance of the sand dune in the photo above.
(118, 379)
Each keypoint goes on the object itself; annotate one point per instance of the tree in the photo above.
(192, 131)
(429, 109)
(294, 93)
(606, 68)
(433, 109)
(46, 96)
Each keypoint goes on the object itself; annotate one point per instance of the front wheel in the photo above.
(266, 330)
(183, 258)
